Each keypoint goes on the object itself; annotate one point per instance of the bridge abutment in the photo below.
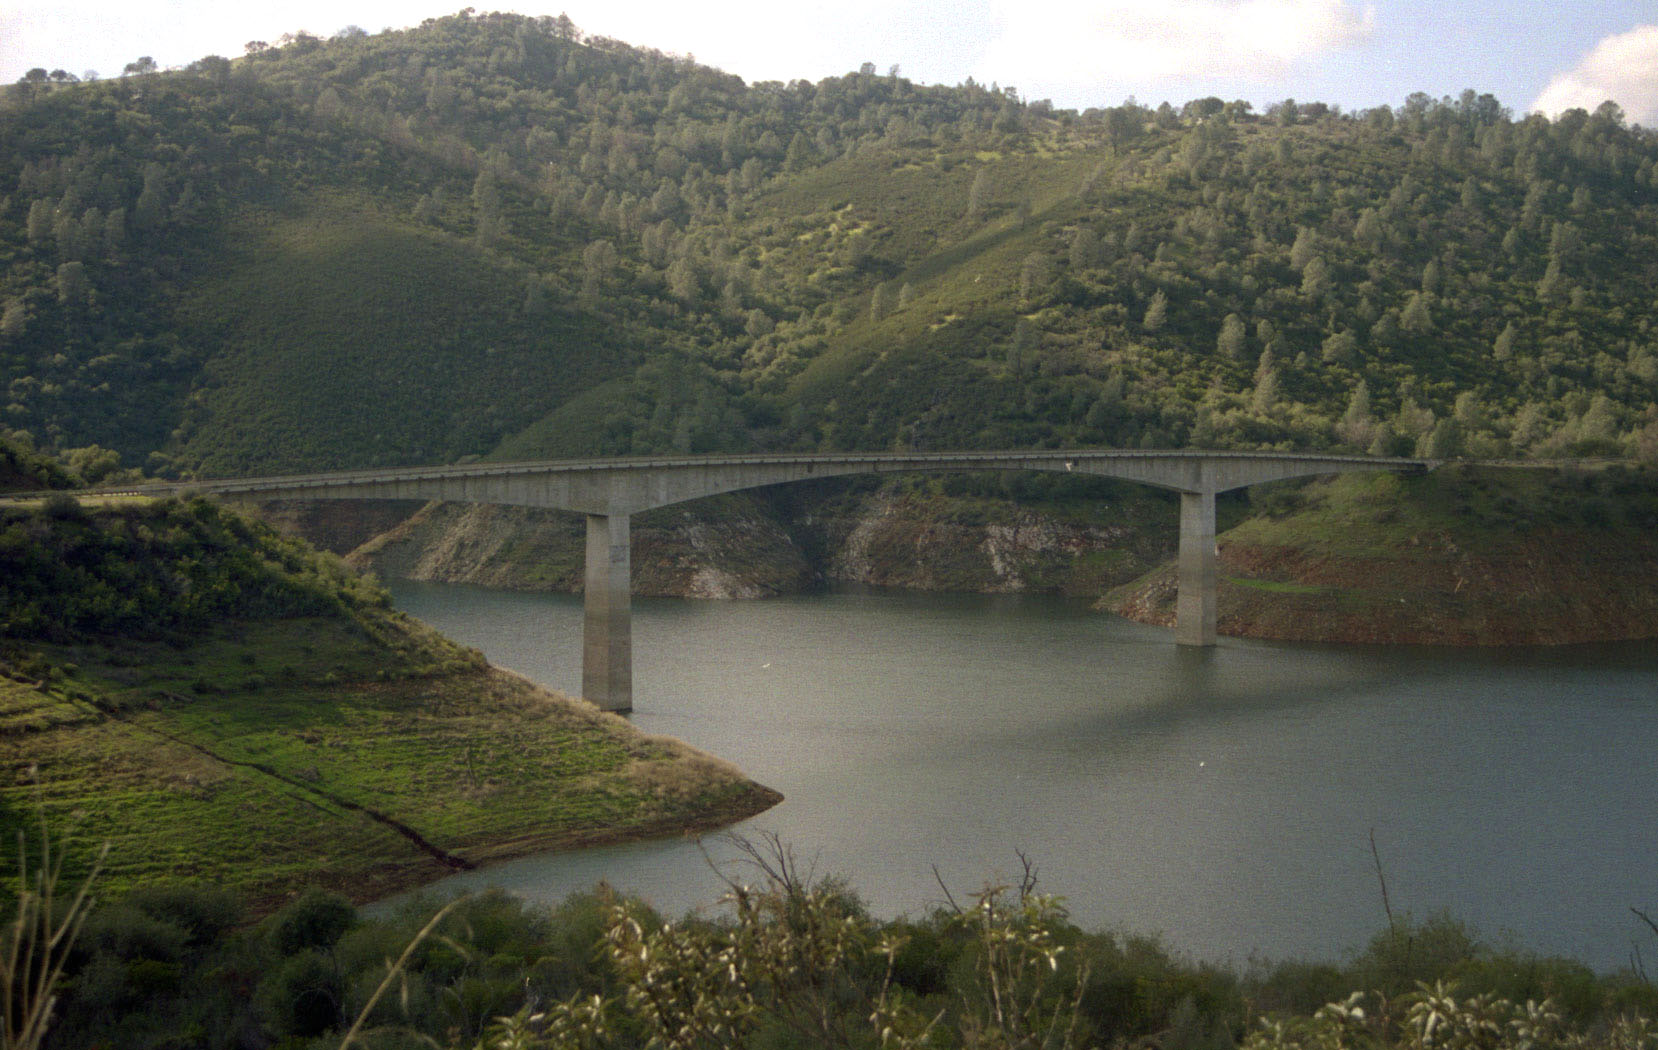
(1194, 605)
(607, 623)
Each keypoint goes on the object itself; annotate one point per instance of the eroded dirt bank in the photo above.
(1465, 556)
(1550, 589)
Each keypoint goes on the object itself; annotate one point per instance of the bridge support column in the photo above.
(1194, 608)
(607, 627)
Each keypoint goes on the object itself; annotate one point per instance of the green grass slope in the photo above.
(346, 338)
(224, 705)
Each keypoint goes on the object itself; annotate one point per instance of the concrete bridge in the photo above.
(610, 491)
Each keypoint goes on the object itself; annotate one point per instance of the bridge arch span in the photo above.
(632, 485)
(610, 491)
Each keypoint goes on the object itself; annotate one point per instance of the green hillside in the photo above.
(493, 235)
(343, 339)
(1344, 281)
(224, 705)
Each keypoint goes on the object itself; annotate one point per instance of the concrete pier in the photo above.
(607, 624)
(1194, 607)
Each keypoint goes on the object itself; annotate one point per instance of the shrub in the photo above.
(61, 506)
(1410, 953)
(316, 919)
(304, 996)
(126, 932)
(204, 913)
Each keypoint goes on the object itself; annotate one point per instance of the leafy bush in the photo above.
(304, 996)
(69, 573)
(315, 920)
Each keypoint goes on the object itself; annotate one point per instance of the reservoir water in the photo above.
(1223, 799)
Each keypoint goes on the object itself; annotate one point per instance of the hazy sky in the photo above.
(1531, 54)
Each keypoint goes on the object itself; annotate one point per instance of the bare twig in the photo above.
(1027, 878)
(1639, 914)
(1387, 907)
(949, 898)
(37, 943)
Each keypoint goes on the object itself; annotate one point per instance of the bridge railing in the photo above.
(1079, 460)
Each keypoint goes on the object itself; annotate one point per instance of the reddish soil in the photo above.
(1544, 588)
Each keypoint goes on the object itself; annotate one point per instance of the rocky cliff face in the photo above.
(736, 548)
(739, 554)
(1551, 588)
(935, 544)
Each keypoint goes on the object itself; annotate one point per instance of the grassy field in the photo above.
(273, 755)
(271, 723)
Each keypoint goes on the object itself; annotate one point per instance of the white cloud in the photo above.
(1077, 42)
(1071, 50)
(1622, 68)
(757, 39)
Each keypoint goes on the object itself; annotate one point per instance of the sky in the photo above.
(1546, 55)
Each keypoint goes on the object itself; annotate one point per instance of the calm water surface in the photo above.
(1223, 799)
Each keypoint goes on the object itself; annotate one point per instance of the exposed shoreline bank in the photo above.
(1466, 556)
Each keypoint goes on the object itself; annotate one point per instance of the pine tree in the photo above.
(1265, 395)
(1157, 313)
(1265, 365)
(535, 297)
(1035, 275)
(72, 284)
(978, 195)
(1383, 440)
(597, 260)
(1315, 279)
(15, 320)
(40, 221)
(1553, 288)
(1232, 340)
(1357, 426)
(1443, 442)
(1503, 348)
(1341, 348)
(1416, 317)
(1304, 248)
(1085, 249)
(880, 304)
(1530, 428)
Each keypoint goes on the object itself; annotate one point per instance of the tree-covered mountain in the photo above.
(493, 235)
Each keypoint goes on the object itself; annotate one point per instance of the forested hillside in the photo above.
(493, 235)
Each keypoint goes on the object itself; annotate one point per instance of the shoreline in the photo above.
(741, 799)
(393, 880)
